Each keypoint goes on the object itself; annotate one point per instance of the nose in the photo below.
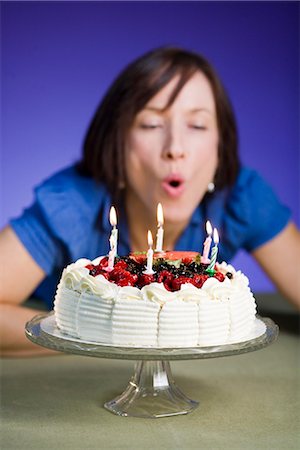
(173, 147)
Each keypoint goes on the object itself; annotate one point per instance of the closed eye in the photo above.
(198, 127)
(149, 127)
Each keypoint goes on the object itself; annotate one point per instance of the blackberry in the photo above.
(93, 272)
(163, 266)
(160, 265)
(229, 275)
(134, 270)
(196, 268)
(193, 267)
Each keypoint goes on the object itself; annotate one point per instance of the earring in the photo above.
(211, 187)
(121, 185)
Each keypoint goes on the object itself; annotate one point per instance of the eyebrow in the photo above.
(162, 110)
(195, 110)
(153, 108)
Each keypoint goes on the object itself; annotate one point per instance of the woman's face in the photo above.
(171, 155)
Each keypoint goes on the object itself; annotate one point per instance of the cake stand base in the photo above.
(151, 393)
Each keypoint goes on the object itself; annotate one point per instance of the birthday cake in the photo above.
(179, 303)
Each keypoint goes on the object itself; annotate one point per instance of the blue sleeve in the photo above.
(57, 228)
(255, 215)
(37, 237)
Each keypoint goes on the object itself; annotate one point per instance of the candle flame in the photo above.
(150, 239)
(113, 216)
(208, 228)
(160, 215)
(216, 236)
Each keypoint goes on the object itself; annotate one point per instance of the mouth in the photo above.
(173, 185)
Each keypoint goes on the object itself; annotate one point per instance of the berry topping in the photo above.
(127, 281)
(122, 277)
(165, 275)
(145, 279)
(104, 262)
(229, 275)
(121, 264)
(199, 280)
(93, 271)
(118, 274)
(170, 268)
(177, 282)
(219, 276)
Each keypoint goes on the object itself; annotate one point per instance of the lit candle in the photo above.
(207, 243)
(113, 240)
(160, 230)
(214, 251)
(149, 270)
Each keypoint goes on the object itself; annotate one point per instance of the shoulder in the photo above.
(70, 204)
(251, 190)
(70, 181)
(67, 189)
(62, 224)
(255, 209)
(248, 215)
(249, 179)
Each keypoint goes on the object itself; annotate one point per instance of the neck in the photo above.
(140, 220)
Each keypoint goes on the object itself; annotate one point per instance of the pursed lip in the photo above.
(173, 185)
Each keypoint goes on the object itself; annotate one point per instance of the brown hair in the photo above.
(103, 155)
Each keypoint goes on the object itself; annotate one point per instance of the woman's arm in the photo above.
(19, 276)
(280, 259)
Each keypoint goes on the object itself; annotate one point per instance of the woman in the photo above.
(165, 132)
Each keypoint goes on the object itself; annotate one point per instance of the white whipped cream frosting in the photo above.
(93, 308)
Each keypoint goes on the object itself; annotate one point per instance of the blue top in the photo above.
(69, 219)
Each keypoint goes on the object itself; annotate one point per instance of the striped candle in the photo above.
(214, 251)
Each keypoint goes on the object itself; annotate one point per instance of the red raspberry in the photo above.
(120, 265)
(198, 280)
(177, 282)
(145, 279)
(117, 274)
(104, 273)
(165, 276)
(104, 262)
(90, 266)
(122, 277)
(168, 286)
(127, 280)
(133, 279)
(219, 276)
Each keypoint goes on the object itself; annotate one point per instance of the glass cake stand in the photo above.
(151, 392)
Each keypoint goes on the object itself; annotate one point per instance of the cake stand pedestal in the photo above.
(151, 392)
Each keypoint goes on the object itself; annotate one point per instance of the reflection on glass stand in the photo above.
(151, 392)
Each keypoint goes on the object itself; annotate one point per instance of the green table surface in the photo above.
(250, 401)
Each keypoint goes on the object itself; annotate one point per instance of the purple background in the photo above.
(58, 58)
